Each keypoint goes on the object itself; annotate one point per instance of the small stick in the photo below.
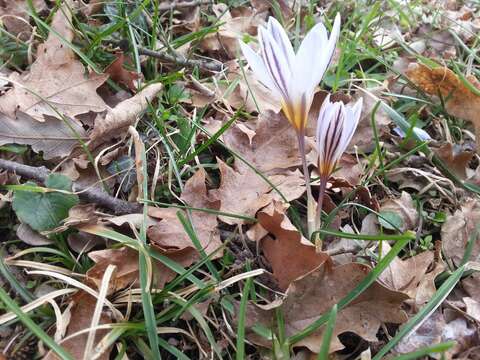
(172, 5)
(175, 58)
(210, 66)
(93, 195)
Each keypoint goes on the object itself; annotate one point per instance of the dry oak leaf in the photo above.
(81, 313)
(56, 80)
(117, 120)
(362, 139)
(456, 158)
(54, 137)
(15, 17)
(414, 276)
(314, 295)
(118, 73)
(232, 29)
(274, 145)
(244, 192)
(457, 230)
(169, 233)
(404, 208)
(460, 101)
(288, 247)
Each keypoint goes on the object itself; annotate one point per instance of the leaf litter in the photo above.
(243, 193)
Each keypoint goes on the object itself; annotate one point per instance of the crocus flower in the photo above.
(337, 123)
(291, 77)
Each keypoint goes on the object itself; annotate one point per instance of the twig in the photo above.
(175, 58)
(93, 195)
(172, 5)
(210, 66)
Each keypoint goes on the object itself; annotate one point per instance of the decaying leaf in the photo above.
(80, 319)
(288, 241)
(400, 212)
(118, 119)
(363, 137)
(314, 294)
(118, 73)
(274, 146)
(458, 228)
(170, 234)
(15, 17)
(459, 99)
(233, 26)
(31, 237)
(54, 137)
(244, 192)
(455, 158)
(56, 80)
(414, 276)
(427, 334)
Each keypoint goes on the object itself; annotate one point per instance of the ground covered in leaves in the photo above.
(152, 203)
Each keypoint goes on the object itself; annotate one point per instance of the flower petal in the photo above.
(309, 59)
(281, 38)
(315, 54)
(275, 62)
(258, 67)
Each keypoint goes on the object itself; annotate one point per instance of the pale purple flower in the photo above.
(291, 77)
(337, 123)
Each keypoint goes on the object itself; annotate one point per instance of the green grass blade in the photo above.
(423, 314)
(240, 355)
(188, 226)
(327, 335)
(5, 272)
(439, 348)
(34, 328)
(409, 235)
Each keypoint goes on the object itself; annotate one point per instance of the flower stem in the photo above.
(318, 221)
(306, 174)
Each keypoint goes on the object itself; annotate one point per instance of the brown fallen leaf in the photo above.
(455, 158)
(118, 73)
(244, 192)
(472, 308)
(54, 137)
(313, 295)
(118, 119)
(234, 24)
(457, 230)
(404, 208)
(362, 139)
(274, 145)
(471, 285)
(126, 262)
(56, 79)
(31, 237)
(428, 333)
(414, 276)
(170, 234)
(15, 16)
(288, 247)
(459, 100)
(80, 319)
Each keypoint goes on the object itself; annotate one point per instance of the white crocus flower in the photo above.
(337, 123)
(291, 77)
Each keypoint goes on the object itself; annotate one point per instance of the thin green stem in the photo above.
(306, 174)
(318, 223)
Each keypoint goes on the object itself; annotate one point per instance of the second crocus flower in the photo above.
(336, 125)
